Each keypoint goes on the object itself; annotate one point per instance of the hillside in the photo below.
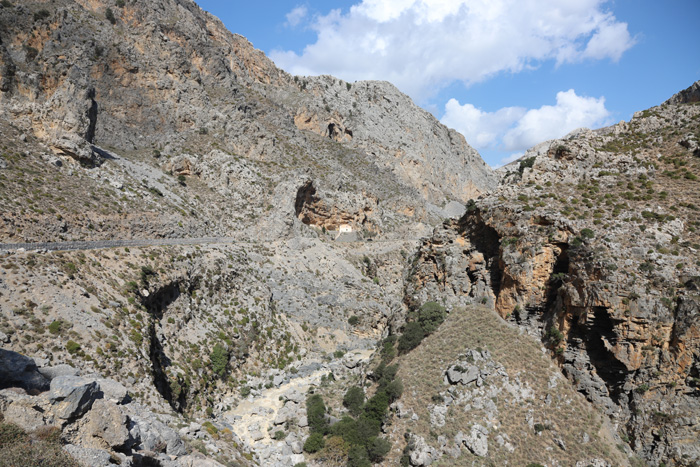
(569, 279)
(591, 245)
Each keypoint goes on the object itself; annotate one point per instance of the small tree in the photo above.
(219, 359)
(109, 14)
(430, 316)
(316, 414)
(412, 336)
(377, 449)
(314, 443)
(354, 400)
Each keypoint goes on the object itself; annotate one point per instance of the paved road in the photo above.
(94, 245)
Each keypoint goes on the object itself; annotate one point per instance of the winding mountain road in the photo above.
(98, 244)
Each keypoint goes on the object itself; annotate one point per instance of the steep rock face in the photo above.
(355, 212)
(686, 96)
(378, 119)
(590, 244)
(164, 77)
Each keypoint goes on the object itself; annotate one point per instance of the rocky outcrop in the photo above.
(17, 370)
(163, 78)
(97, 430)
(356, 212)
(579, 247)
(686, 96)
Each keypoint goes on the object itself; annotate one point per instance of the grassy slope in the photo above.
(567, 417)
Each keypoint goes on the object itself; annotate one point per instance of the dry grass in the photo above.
(522, 357)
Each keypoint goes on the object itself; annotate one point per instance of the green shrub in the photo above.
(430, 316)
(347, 429)
(377, 449)
(245, 391)
(109, 14)
(146, 273)
(357, 457)
(279, 435)
(410, 339)
(554, 336)
(394, 389)
(219, 359)
(314, 443)
(587, 233)
(353, 320)
(41, 15)
(316, 414)
(72, 347)
(376, 406)
(209, 426)
(56, 327)
(388, 351)
(526, 164)
(354, 400)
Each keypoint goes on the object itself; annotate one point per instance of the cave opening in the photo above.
(306, 195)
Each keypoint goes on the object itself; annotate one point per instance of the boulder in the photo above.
(193, 460)
(74, 146)
(106, 426)
(476, 441)
(294, 396)
(151, 434)
(24, 411)
(17, 370)
(72, 396)
(51, 372)
(423, 454)
(88, 457)
(463, 375)
(113, 390)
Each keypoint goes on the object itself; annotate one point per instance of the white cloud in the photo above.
(554, 121)
(610, 40)
(421, 45)
(296, 16)
(481, 129)
(517, 129)
(511, 158)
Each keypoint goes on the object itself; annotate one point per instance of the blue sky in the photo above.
(505, 73)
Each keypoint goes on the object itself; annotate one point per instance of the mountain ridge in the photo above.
(348, 209)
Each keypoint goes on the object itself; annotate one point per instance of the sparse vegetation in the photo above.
(109, 14)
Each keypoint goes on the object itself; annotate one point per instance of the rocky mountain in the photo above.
(591, 245)
(166, 85)
(345, 281)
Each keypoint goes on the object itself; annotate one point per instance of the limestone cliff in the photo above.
(591, 244)
(166, 78)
